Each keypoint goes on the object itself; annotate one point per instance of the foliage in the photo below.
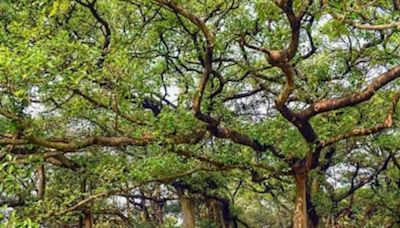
(117, 111)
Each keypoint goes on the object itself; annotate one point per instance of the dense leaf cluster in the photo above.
(225, 113)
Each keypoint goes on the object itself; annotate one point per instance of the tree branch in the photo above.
(351, 100)
(358, 25)
(355, 187)
(105, 28)
(387, 123)
(244, 95)
(209, 36)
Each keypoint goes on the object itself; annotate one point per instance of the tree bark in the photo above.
(41, 183)
(158, 207)
(218, 212)
(187, 211)
(187, 207)
(312, 189)
(86, 220)
(158, 213)
(215, 213)
(300, 211)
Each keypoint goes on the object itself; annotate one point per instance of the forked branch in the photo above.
(353, 99)
(357, 132)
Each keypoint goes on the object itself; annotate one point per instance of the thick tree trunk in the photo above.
(87, 219)
(187, 211)
(187, 206)
(219, 213)
(215, 213)
(300, 211)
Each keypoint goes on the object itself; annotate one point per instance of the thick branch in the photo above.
(218, 164)
(387, 123)
(242, 139)
(354, 99)
(90, 141)
(289, 85)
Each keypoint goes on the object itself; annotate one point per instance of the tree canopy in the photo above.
(196, 113)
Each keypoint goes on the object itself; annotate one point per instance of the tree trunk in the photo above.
(41, 183)
(187, 211)
(158, 213)
(312, 189)
(158, 207)
(187, 206)
(219, 213)
(300, 210)
(87, 219)
(215, 213)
